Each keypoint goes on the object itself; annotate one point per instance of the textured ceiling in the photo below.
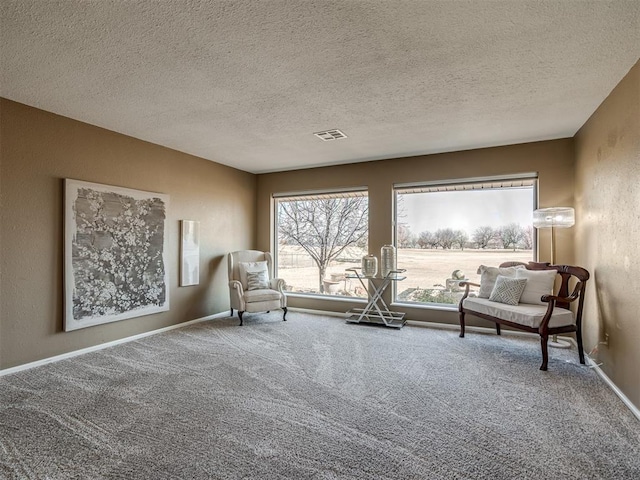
(247, 83)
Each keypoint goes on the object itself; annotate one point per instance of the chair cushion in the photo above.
(251, 267)
(488, 276)
(539, 283)
(508, 290)
(257, 280)
(262, 295)
(522, 314)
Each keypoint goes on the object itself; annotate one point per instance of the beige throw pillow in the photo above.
(539, 283)
(488, 276)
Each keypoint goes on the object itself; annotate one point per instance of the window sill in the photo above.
(330, 298)
(427, 306)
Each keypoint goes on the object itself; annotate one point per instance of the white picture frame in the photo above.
(115, 250)
(189, 253)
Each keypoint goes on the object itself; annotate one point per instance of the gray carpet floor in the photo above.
(315, 398)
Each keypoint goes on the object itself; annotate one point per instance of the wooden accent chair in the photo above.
(252, 287)
(552, 317)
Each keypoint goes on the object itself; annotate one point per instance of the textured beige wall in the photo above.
(38, 151)
(552, 160)
(608, 231)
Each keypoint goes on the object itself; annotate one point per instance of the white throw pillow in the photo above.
(257, 280)
(251, 267)
(539, 283)
(488, 276)
(508, 290)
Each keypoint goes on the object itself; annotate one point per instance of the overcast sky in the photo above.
(466, 210)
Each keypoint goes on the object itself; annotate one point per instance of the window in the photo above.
(445, 231)
(318, 236)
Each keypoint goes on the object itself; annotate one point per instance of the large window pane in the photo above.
(318, 237)
(444, 233)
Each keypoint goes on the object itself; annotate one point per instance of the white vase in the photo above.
(369, 265)
(387, 259)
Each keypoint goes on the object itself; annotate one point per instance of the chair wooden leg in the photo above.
(498, 328)
(284, 315)
(580, 348)
(461, 324)
(545, 351)
(240, 315)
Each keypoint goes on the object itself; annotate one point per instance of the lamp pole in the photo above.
(560, 217)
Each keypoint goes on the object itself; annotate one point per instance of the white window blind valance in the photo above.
(320, 195)
(469, 184)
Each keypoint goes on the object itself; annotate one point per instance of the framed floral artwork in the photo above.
(115, 254)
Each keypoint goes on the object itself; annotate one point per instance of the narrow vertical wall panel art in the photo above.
(190, 253)
(115, 245)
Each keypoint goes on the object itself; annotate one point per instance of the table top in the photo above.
(395, 275)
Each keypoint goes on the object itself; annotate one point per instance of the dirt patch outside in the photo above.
(425, 269)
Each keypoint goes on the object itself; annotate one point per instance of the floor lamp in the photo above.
(554, 217)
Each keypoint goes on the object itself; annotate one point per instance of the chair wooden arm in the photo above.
(555, 298)
(467, 285)
(574, 295)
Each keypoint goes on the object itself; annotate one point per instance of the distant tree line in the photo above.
(508, 236)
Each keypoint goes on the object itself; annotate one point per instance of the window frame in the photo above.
(359, 191)
(461, 184)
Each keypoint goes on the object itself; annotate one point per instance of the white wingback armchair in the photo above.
(251, 286)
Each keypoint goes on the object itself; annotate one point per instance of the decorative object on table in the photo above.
(189, 253)
(554, 217)
(387, 259)
(369, 265)
(251, 288)
(115, 246)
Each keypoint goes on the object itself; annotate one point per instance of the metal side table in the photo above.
(377, 311)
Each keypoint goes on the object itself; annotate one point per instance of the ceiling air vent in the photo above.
(330, 135)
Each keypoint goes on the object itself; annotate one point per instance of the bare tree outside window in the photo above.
(324, 227)
(445, 237)
(461, 239)
(405, 238)
(510, 235)
(427, 240)
(482, 236)
(527, 237)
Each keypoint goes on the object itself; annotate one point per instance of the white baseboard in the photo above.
(75, 353)
(318, 312)
(613, 386)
